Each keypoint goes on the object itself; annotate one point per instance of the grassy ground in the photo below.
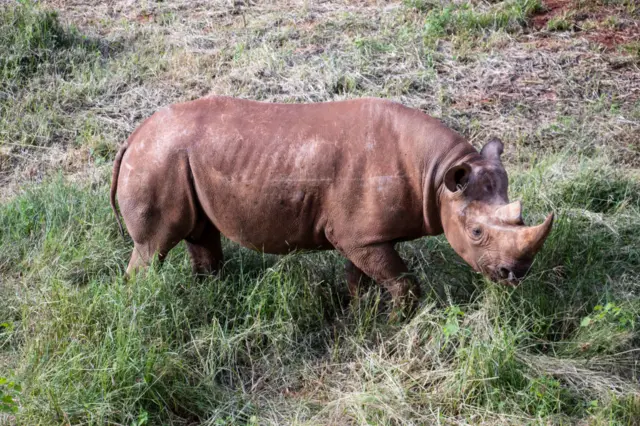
(273, 341)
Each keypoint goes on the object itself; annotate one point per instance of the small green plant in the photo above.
(33, 41)
(632, 48)
(371, 46)
(9, 394)
(610, 312)
(345, 84)
(143, 418)
(546, 396)
(611, 23)
(608, 329)
(559, 23)
(452, 324)
(598, 189)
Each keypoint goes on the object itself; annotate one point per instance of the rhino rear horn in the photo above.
(533, 237)
(492, 150)
(510, 213)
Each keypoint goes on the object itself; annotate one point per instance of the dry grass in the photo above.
(535, 89)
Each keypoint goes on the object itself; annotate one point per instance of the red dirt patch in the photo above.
(553, 8)
(625, 32)
(144, 17)
(610, 39)
(609, 26)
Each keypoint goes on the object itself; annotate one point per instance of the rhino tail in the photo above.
(114, 184)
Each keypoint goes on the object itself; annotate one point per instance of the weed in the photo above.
(559, 23)
(55, 84)
(9, 392)
(633, 48)
(30, 41)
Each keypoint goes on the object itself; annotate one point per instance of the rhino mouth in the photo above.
(510, 275)
(507, 273)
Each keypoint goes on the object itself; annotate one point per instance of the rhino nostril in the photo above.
(504, 272)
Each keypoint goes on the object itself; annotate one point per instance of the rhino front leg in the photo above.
(356, 279)
(383, 263)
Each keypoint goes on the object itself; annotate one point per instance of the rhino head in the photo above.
(481, 225)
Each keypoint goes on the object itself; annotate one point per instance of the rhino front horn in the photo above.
(533, 237)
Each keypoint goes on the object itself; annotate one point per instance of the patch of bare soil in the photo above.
(611, 39)
(625, 33)
(605, 25)
(552, 9)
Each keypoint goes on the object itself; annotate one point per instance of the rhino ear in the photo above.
(457, 177)
(493, 150)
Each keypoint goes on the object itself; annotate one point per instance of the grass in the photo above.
(559, 23)
(464, 20)
(273, 340)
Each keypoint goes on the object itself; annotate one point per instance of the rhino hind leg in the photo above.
(206, 250)
(143, 252)
(139, 259)
(155, 225)
(154, 231)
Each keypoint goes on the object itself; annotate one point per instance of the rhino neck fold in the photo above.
(434, 171)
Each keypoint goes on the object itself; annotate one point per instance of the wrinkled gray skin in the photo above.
(357, 176)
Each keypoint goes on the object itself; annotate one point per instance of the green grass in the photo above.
(559, 23)
(274, 340)
(464, 21)
(633, 48)
(96, 349)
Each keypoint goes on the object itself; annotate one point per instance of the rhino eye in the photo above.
(476, 232)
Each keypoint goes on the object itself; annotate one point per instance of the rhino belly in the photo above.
(272, 218)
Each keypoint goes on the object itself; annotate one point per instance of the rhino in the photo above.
(357, 176)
